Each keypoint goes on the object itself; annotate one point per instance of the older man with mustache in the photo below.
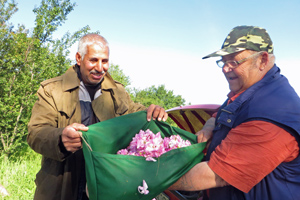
(84, 95)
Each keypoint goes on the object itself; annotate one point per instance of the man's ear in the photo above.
(264, 61)
(78, 58)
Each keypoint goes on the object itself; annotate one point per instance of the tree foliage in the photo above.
(118, 75)
(26, 59)
(158, 96)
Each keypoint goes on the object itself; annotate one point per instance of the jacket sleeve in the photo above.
(44, 136)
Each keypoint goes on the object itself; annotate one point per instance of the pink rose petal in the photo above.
(143, 189)
(150, 145)
(150, 159)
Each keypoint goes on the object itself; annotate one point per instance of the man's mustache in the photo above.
(97, 72)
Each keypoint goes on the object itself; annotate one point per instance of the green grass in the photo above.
(18, 176)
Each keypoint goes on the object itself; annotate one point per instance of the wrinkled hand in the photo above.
(206, 133)
(157, 113)
(71, 137)
(203, 135)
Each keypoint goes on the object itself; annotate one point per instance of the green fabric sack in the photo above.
(112, 176)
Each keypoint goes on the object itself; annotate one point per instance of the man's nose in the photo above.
(226, 68)
(99, 66)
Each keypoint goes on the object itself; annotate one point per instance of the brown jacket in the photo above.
(58, 106)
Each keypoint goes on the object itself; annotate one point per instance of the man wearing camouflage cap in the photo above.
(254, 149)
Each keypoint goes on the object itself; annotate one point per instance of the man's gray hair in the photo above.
(89, 39)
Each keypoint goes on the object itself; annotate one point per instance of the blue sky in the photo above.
(159, 42)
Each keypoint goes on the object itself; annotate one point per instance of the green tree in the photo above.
(159, 96)
(26, 59)
(118, 75)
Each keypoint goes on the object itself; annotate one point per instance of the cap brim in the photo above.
(224, 52)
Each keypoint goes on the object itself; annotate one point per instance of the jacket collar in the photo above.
(70, 76)
(232, 108)
(108, 82)
(70, 79)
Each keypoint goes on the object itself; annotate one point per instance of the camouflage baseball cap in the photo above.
(245, 38)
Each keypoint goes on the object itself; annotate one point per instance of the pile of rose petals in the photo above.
(150, 145)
